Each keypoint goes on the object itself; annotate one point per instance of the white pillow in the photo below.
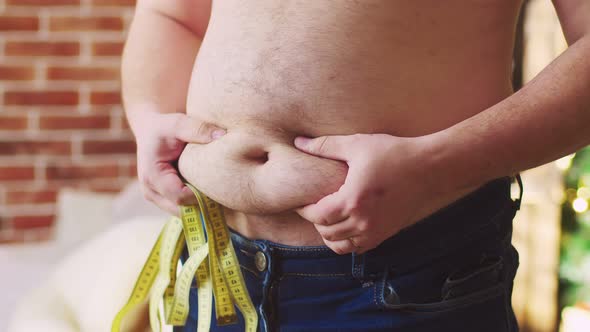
(87, 288)
(81, 215)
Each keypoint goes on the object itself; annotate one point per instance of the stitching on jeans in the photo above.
(301, 249)
(375, 294)
(314, 275)
(379, 289)
(448, 305)
(356, 266)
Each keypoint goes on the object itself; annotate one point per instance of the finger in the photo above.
(327, 211)
(363, 243)
(341, 247)
(332, 147)
(169, 185)
(188, 197)
(161, 202)
(338, 231)
(191, 130)
(168, 206)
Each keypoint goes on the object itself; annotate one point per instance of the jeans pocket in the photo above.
(432, 291)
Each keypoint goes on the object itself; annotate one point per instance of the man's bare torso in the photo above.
(268, 71)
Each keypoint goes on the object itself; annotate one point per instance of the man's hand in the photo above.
(161, 137)
(390, 185)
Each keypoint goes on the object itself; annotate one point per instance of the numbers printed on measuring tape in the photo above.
(212, 262)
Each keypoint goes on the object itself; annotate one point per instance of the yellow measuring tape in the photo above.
(212, 260)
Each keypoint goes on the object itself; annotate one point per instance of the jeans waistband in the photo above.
(477, 216)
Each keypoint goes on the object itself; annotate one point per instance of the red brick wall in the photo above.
(61, 123)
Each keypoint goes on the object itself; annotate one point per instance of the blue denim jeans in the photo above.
(452, 271)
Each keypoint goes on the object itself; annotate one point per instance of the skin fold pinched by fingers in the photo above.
(172, 188)
(332, 147)
(338, 231)
(370, 205)
(191, 130)
(244, 173)
(159, 149)
(341, 247)
(329, 210)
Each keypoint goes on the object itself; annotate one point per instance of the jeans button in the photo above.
(260, 261)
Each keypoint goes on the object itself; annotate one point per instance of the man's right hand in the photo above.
(161, 137)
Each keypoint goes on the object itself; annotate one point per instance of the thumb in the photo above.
(332, 147)
(191, 130)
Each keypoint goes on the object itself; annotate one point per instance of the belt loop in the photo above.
(358, 266)
(518, 201)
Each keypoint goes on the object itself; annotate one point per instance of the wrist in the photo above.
(449, 164)
(139, 117)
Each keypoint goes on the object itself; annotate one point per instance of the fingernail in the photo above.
(217, 133)
(301, 141)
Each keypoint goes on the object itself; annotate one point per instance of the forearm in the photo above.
(157, 64)
(545, 120)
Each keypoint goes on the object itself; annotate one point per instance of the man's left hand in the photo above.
(390, 185)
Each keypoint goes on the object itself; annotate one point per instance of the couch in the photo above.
(79, 279)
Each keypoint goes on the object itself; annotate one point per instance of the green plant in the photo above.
(574, 267)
